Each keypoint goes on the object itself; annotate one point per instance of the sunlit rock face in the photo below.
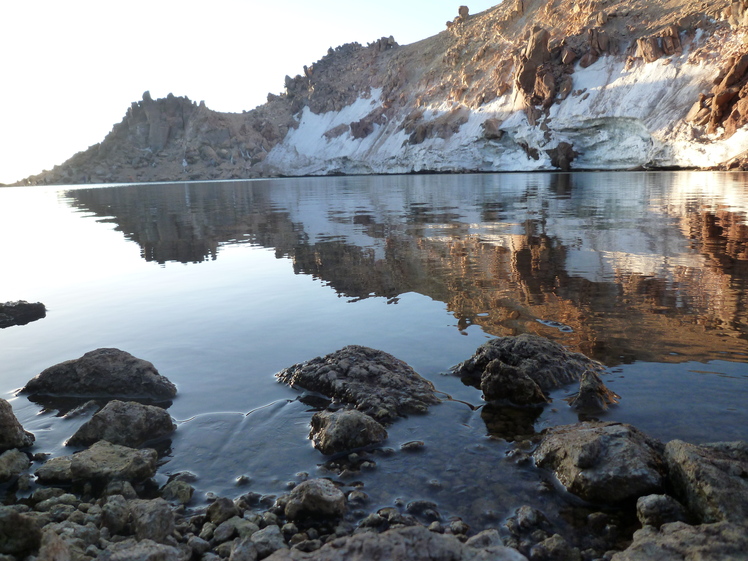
(525, 85)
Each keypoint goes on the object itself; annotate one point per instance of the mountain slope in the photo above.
(526, 85)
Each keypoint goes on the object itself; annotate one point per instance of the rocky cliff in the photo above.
(526, 85)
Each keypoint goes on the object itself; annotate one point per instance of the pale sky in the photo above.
(70, 69)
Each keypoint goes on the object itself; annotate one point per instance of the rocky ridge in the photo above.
(526, 85)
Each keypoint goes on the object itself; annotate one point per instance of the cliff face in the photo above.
(526, 85)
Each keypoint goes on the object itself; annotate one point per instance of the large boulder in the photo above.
(711, 479)
(338, 431)
(315, 497)
(12, 434)
(20, 313)
(103, 372)
(678, 541)
(414, 543)
(126, 423)
(375, 382)
(19, 534)
(603, 461)
(522, 368)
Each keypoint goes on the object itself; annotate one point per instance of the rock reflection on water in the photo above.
(640, 266)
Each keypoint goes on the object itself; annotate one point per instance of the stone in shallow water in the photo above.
(103, 372)
(373, 381)
(20, 313)
(594, 396)
(126, 423)
(547, 363)
(315, 497)
(338, 431)
(12, 434)
(603, 462)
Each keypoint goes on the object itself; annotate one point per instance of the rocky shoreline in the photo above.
(639, 498)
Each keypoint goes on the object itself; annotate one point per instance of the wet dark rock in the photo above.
(221, 510)
(19, 534)
(413, 446)
(527, 358)
(177, 491)
(678, 541)
(12, 434)
(12, 463)
(124, 422)
(20, 313)
(593, 396)
(711, 479)
(656, 510)
(375, 382)
(414, 543)
(103, 372)
(151, 520)
(603, 462)
(315, 497)
(337, 431)
(510, 422)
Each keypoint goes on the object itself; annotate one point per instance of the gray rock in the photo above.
(243, 550)
(656, 510)
(593, 396)
(106, 461)
(338, 431)
(19, 534)
(315, 497)
(53, 547)
(20, 313)
(115, 513)
(12, 463)
(198, 545)
(548, 364)
(503, 381)
(177, 491)
(221, 510)
(145, 550)
(124, 422)
(103, 372)
(555, 547)
(12, 434)
(679, 541)
(56, 470)
(603, 462)
(414, 543)
(375, 382)
(151, 520)
(268, 540)
(711, 479)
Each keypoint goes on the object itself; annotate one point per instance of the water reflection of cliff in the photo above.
(639, 266)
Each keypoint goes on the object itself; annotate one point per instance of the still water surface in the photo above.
(222, 284)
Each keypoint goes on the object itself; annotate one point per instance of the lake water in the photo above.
(222, 284)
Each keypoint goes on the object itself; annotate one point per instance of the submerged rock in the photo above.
(522, 368)
(711, 479)
(603, 462)
(103, 372)
(126, 423)
(12, 434)
(414, 543)
(338, 431)
(375, 382)
(20, 313)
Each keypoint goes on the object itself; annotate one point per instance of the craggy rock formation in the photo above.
(103, 372)
(564, 84)
(414, 543)
(603, 462)
(711, 480)
(522, 368)
(12, 434)
(339, 431)
(20, 313)
(126, 423)
(374, 382)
